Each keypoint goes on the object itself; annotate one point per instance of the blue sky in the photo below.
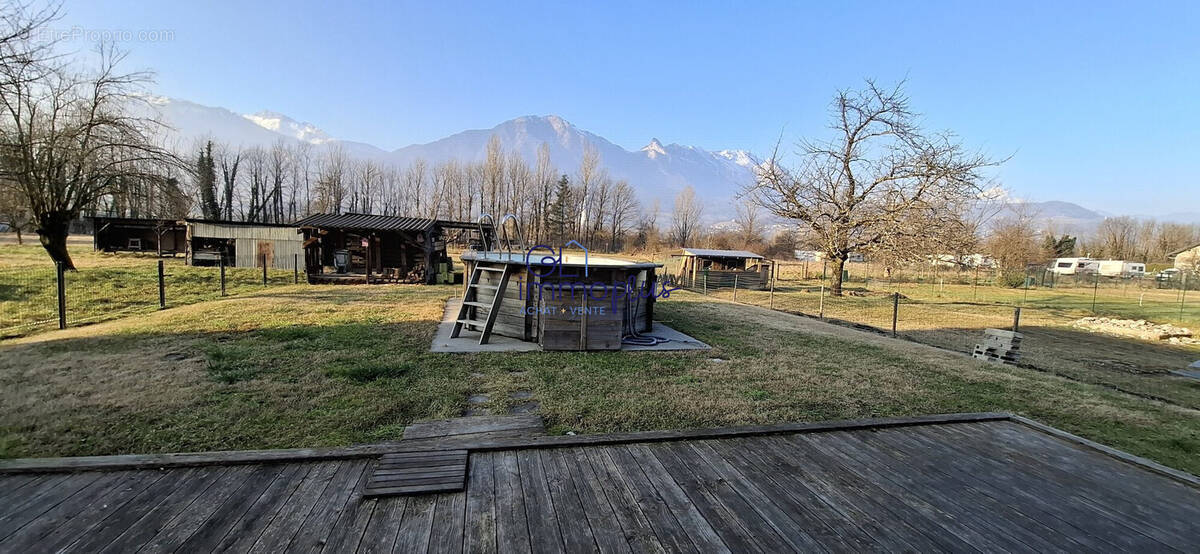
(1095, 102)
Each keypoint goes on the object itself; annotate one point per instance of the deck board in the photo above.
(996, 485)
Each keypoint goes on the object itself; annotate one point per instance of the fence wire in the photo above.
(29, 296)
(951, 312)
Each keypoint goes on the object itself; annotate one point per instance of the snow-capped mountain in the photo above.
(657, 171)
(275, 121)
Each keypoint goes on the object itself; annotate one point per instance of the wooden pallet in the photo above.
(423, 472)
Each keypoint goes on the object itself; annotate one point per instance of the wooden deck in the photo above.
(965, 486)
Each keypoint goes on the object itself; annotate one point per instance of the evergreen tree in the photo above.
(559, 216)
(206, 181)
(1059, 247)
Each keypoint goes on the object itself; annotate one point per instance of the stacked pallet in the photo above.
(999, 346)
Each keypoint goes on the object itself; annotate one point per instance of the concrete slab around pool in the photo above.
(468, 341)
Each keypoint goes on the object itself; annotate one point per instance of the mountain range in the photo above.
(657, 171)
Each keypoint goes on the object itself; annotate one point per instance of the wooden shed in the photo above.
(703, 267)
(366, 248)
(128, 234)
(244, 244)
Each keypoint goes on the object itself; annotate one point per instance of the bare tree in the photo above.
(590, 174)
(279, 162)
(621, 216)
(492, 178)
(855, 190)
(68, 136)
(749, 221)
(1013, 244)
(414, 186)
(1118, 237)
(230, 160)
(685, 217)
(332, 169)
(301, 179)
(14, 211)
(545, 176)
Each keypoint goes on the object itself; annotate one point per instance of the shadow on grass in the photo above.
(1135, 366)
(284, 386)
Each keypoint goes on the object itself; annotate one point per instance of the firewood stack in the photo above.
(999, 346)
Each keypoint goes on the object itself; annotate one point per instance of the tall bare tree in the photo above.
(749, 222)
(332, 171)
(685, 217)
(622, 215)
(68, 136)
(230, 160)
(855, 190)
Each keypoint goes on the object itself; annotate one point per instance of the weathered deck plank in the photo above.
(449, 524)
(984, 484)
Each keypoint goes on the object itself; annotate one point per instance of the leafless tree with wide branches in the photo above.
(68, 136)
(879, 173)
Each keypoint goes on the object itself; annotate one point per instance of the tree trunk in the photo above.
(18, 228)
(835, 283)
(52, 231)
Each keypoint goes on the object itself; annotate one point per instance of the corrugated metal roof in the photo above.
(367, 221)
(709, 253)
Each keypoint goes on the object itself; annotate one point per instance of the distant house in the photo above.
(362, 248)
(819, 256)
(982, 261)
(243, 244)
(1187, 258)
(705, 267)
(165, 237)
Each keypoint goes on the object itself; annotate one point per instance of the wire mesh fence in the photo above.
(34, 298)
(952, 312)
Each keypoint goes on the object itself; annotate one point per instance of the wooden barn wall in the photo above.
(286, 242)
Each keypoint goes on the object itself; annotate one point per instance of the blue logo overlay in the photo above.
(557, 280)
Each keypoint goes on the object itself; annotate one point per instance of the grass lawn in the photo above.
(954, 316)
(106, 286)
(306, 366)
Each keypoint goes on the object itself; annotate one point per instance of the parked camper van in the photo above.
(1071, 266)
(1121, 268)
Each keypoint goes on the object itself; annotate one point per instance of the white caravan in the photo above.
(1070, 266)
(1121, 268)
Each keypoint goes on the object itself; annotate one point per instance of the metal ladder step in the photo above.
(479, 304)
(471, 322)
(492, 269)
(485, 287)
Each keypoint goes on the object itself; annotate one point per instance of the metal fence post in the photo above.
(1095, 291)
(295, 269)
(975, 286)
(1182, 297)
(162, 289)
(706, 282)
(221, 262)
(1025, 295)
(62, 294)
(1016, 319)
(772, 293)
(264, 264)
(821, 303)
(735, 279)
(895, 311)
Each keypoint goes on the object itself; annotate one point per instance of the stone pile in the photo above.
(1138, 328)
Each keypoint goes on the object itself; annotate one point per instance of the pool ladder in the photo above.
(468, 312)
